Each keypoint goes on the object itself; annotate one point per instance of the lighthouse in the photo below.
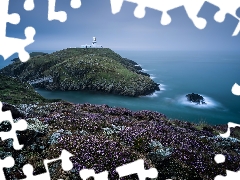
(94, 44)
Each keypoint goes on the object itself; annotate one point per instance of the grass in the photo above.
(13, 91)
(98, 65)
(201, 124)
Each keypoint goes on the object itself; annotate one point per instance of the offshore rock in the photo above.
(195, 98)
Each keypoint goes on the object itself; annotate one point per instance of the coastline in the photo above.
(129, 134)
(92, 69)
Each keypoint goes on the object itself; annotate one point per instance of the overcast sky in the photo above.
(122, 31)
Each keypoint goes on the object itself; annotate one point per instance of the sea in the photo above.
(208, 73)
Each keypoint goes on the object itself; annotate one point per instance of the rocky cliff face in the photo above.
(103, 138)
(84, 69)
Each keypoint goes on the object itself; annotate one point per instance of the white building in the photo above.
(94, 44)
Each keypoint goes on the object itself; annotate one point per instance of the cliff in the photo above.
(84, 69)
(103, 138)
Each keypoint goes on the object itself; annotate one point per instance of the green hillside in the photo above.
(13, 91)
(84, 69)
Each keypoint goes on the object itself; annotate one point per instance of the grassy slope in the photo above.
(31, 55)
(99, 68)
(14, 92)
(39, 63)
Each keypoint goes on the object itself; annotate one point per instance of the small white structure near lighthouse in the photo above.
(94, 44)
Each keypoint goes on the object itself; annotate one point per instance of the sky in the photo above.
(122, 31)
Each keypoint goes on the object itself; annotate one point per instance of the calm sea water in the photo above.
(210, 74)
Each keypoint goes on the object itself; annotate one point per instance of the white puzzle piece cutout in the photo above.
(8, 162)
(9, 45)
(60, 15)
(137, 167)
(20, 125)
(236, 89)
(192, 9)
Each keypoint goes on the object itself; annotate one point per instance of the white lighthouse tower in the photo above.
(94, 44)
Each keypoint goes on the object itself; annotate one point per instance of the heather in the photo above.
(103, 138)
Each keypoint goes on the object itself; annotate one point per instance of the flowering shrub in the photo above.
(103, 138)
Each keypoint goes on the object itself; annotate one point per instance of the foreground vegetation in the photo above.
(99, 136)
(103, 138)
(13, 91)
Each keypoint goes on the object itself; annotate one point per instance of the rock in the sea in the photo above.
(195, 98)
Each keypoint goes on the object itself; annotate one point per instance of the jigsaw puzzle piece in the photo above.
(5, 17)
(60, 15)
(192, 9)
(28, 171)
(230, 175)
(227, 8)
(87, 173)
(32, 153)
(20, 125)
(8, 45)
(66, 166)
(53, 15)
(230, 125)
(220, 158)
(160, 5)
(17, 45)
(230, 21)
(5, 163)
(116, 6)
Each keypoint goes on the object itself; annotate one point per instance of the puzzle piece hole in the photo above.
(28, 170)
(8, 162)
(139, 12)
(219, 158)
(55, 167)
(34, 168)
(166, 19)
(75, 4)
(219, 16)
(28, 5)
(14, 18)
